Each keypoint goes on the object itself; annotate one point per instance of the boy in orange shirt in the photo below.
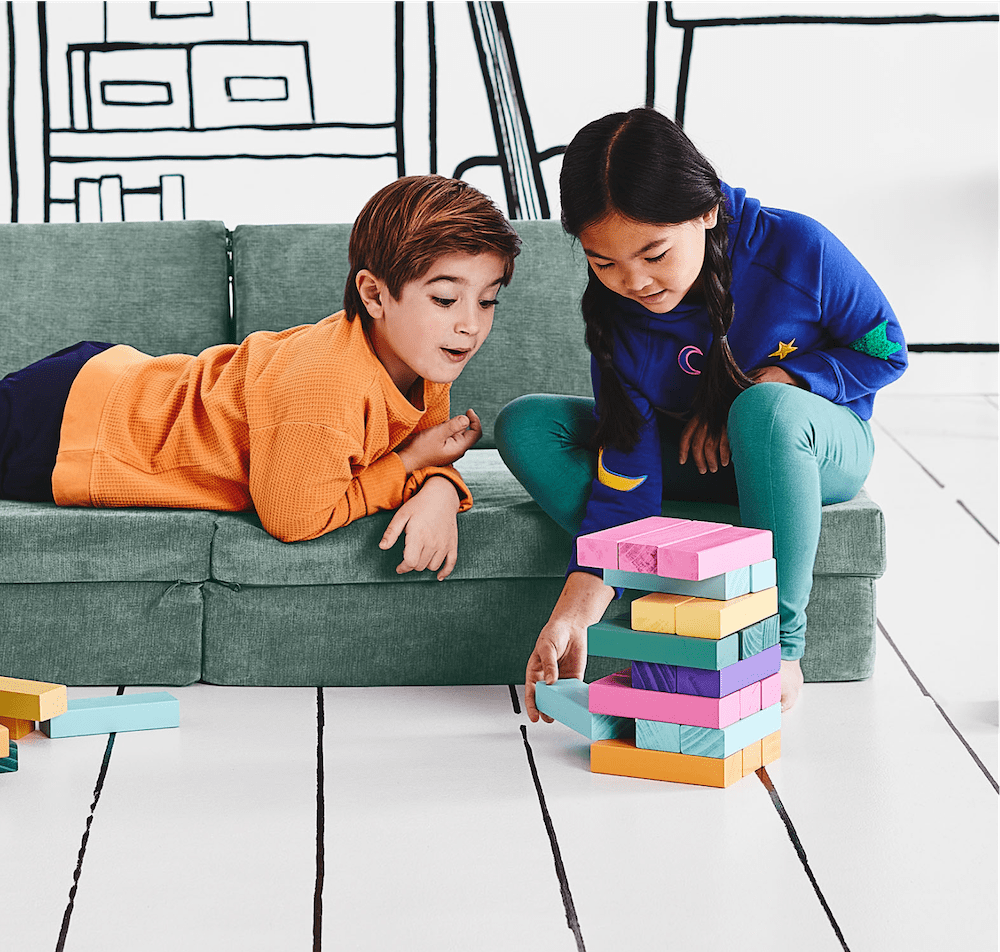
(313, 426)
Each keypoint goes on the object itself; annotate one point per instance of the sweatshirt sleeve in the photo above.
(628, 485)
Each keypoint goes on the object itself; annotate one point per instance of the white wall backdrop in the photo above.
(879, 119)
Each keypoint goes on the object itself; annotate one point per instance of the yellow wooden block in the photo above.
(31, 700)
(623, 758)
(657, 612)
(770, 748)
(751, 758)
(18, 727)
(4, 741)
(711, 618)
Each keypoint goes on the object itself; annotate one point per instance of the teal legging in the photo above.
(792, 453)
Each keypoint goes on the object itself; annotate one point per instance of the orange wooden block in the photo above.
(623, 758)
(657, 612)
(770, 748)
(4, 741)
(710, 618)
(751, 758)
(31, 700)
(17, 727)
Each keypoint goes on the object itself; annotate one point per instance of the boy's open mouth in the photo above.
(456, 353)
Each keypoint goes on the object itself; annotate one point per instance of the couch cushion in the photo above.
(42, 542)
(160, 286)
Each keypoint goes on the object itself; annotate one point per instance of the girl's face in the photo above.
(655, 265)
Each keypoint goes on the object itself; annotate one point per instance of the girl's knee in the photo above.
(768, 414)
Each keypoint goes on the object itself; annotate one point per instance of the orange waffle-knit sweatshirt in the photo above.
(298, 424)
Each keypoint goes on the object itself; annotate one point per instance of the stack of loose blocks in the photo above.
(23, 702)
(700, 702)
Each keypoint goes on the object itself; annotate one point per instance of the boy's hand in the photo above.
(441, 445)
(429, 518)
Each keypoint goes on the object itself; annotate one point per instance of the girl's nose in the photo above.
(636, 279)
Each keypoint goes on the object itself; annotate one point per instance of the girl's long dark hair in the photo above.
(642, 166)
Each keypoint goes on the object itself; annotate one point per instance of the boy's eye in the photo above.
(444, 302)
(489, 303)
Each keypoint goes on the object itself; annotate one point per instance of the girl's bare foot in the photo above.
(791, 684)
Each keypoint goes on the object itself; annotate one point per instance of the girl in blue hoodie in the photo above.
(736, 351)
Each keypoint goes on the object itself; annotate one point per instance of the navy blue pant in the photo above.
(32, 402)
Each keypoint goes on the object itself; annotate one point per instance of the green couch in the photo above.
(134, 596)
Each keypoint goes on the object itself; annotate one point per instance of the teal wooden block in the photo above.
(614, 638)
(757, 637)
(763, 575)
(567, 702)
(119, 712)
(657, 735)
(730, 585)
(722, 742)
(8, 764)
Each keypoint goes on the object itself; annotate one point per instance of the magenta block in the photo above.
(713, 553)
(599, 550)
(750, 699)
(639, 555)
(770, 689)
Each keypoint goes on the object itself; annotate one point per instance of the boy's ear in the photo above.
(371, 290)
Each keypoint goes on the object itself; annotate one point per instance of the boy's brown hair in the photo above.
(406, 226)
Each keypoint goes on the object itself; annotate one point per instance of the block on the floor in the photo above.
(654, 677)
(31, 700)
(714, 553)
(728, 585)
(708, 618)
(119, 712)
(567, 702)
(639, 554)
(723, 742)
(599, 550)
(18, 727)
(614, 694)
(622, 758)
(612, 638)
(695, 680)
(763, 575)
(657, 612)
(760, 635)
(8, 764)
(770, 748)
(770, 689)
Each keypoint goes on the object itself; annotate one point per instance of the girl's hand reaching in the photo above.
(709, 451)
(441, 445)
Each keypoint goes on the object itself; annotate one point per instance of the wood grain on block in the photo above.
(770, 748)
(751, 758)
(729, 585)
(118, 712)
(657, 612)
(695, 680)
(770, 689)
(4, 741)
(657, 735)
(31, 700)
(566, 702)
(708, 618)
(714, 553)
(758, 636)
(612, 638)
(17, 726)
(639, 554)
(599, 550)
(654, 677)
(622, 758)
(614, 694)
(750, 699)
(8, 764)
(763, 575)
(724, 742)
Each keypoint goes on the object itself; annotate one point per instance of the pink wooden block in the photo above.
(599, 550)
(713, 553)
(615, 695)
(770, 690)
(639, 555)
(750, 699)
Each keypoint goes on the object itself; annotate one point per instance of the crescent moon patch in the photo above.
(624, 484)
(684, 359)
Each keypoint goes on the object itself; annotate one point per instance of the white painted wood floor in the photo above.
(439, 819)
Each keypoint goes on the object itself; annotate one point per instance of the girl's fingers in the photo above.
(724, 455)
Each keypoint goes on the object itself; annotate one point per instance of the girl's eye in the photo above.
(659, 257)
(444, 302)
(602, 267)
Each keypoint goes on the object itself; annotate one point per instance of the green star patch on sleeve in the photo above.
(875, 343)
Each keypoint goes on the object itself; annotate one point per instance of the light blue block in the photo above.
(730, 585)
(8, 764)
(722, 742)
(615, 638)
(657, 735)
(119, 712)
(763, 575)
(757, 637)
(567, 701)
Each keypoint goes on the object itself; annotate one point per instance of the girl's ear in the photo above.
(371, 290)
(711, 218)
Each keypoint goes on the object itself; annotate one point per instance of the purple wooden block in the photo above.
(707, 683)
(654, 677)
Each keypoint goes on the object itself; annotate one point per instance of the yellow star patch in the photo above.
(783, 349)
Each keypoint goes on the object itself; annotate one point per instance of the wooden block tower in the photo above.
(703, 689)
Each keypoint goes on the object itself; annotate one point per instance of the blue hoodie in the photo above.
(803, 303)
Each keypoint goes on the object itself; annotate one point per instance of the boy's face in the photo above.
(440, 320)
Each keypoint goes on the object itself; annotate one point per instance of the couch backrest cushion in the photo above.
(160, 286)
(285, 275)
